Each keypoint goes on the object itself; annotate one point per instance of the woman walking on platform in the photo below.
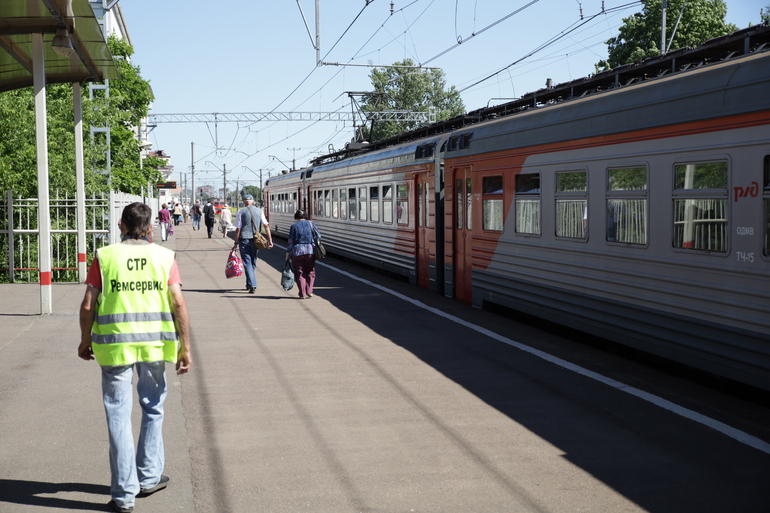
(177, 214)
(164, 220)
(302, 253)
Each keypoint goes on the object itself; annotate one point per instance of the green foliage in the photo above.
(127, 104)
(627, 179)
(410, 90)
(639, 36)
(250, 189)
(764, 13)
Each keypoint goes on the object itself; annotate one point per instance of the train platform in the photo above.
(372, 396)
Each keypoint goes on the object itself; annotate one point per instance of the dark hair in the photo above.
(137, 218)
(300, 214)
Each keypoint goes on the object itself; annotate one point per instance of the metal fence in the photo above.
(20, 236)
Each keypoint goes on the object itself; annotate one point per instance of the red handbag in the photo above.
(234, 265)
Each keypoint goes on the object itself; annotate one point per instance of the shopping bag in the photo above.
(287, 276)
(171, 228)
(234, 265)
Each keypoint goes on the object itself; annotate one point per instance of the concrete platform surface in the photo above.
(373, 396)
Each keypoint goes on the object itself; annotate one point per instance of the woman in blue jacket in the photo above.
(301, 250)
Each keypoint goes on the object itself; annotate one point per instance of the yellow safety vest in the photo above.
(134, 320)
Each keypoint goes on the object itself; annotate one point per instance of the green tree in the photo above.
(250, 189)
(639, 36)
(764, 13)
(128, 103)
(410, 90)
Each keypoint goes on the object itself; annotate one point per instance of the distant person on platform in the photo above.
(226, 220)
(164, 221)
(129, 327)
(209, 217)
(177, 214)
(247, 220)
(186, 210)
(196, 213)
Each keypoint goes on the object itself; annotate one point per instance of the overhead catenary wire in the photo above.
(517, 11)
(411, 25)
(564, 33)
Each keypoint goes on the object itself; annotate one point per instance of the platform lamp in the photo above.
(62, 44)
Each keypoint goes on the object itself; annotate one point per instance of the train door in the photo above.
(425, 228)
(462, 234)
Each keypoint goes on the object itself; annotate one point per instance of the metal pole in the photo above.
(192, 167)
(80, 199)
(44, 210)
(663, 29)
(11, 241)
(224, 182)
(317, 32)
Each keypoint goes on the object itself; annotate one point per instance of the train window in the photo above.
(468, 205)
(327, 204)
(402, 205)
(627, 205)
(352, 203)
(427, 203)
(425, 151)
(387, 204)
(527, 200)
(459, 192)
(492, 203)
(335, 205)
(453, 143)
(766, 197)
(362, 203)
(700, 206)
(571, 204)
(374, 204)
(343, 204)
(420, 206)
(319, 204)
(293, 203)
(465, 140)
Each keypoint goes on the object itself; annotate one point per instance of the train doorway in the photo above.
(462, 238)
(426, 227)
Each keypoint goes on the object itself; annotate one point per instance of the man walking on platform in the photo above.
(196, 213)
(209, 217)
(133, 316)
(248, 222)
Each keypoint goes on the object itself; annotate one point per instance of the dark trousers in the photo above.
(304, 273)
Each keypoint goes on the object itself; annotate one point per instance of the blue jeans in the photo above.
(196, 221)
(132, 473)
(249, 253)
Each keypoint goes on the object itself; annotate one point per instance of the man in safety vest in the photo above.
(133, 316)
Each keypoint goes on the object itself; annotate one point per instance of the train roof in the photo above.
(399, 155)
(737, 44)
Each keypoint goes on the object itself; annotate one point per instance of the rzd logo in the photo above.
(744, 192)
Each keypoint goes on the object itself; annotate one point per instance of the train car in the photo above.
(379, 208)
(639, 214)
(633, 205)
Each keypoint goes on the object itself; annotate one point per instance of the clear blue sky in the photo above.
(256, 56)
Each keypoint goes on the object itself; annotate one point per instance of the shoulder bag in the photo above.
(259, 240)
(318, 248)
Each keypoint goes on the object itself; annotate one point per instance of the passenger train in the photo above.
(633, 205)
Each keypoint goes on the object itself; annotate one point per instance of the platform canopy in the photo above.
(90, 59)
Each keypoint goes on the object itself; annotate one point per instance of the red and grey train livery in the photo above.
(633, 205)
